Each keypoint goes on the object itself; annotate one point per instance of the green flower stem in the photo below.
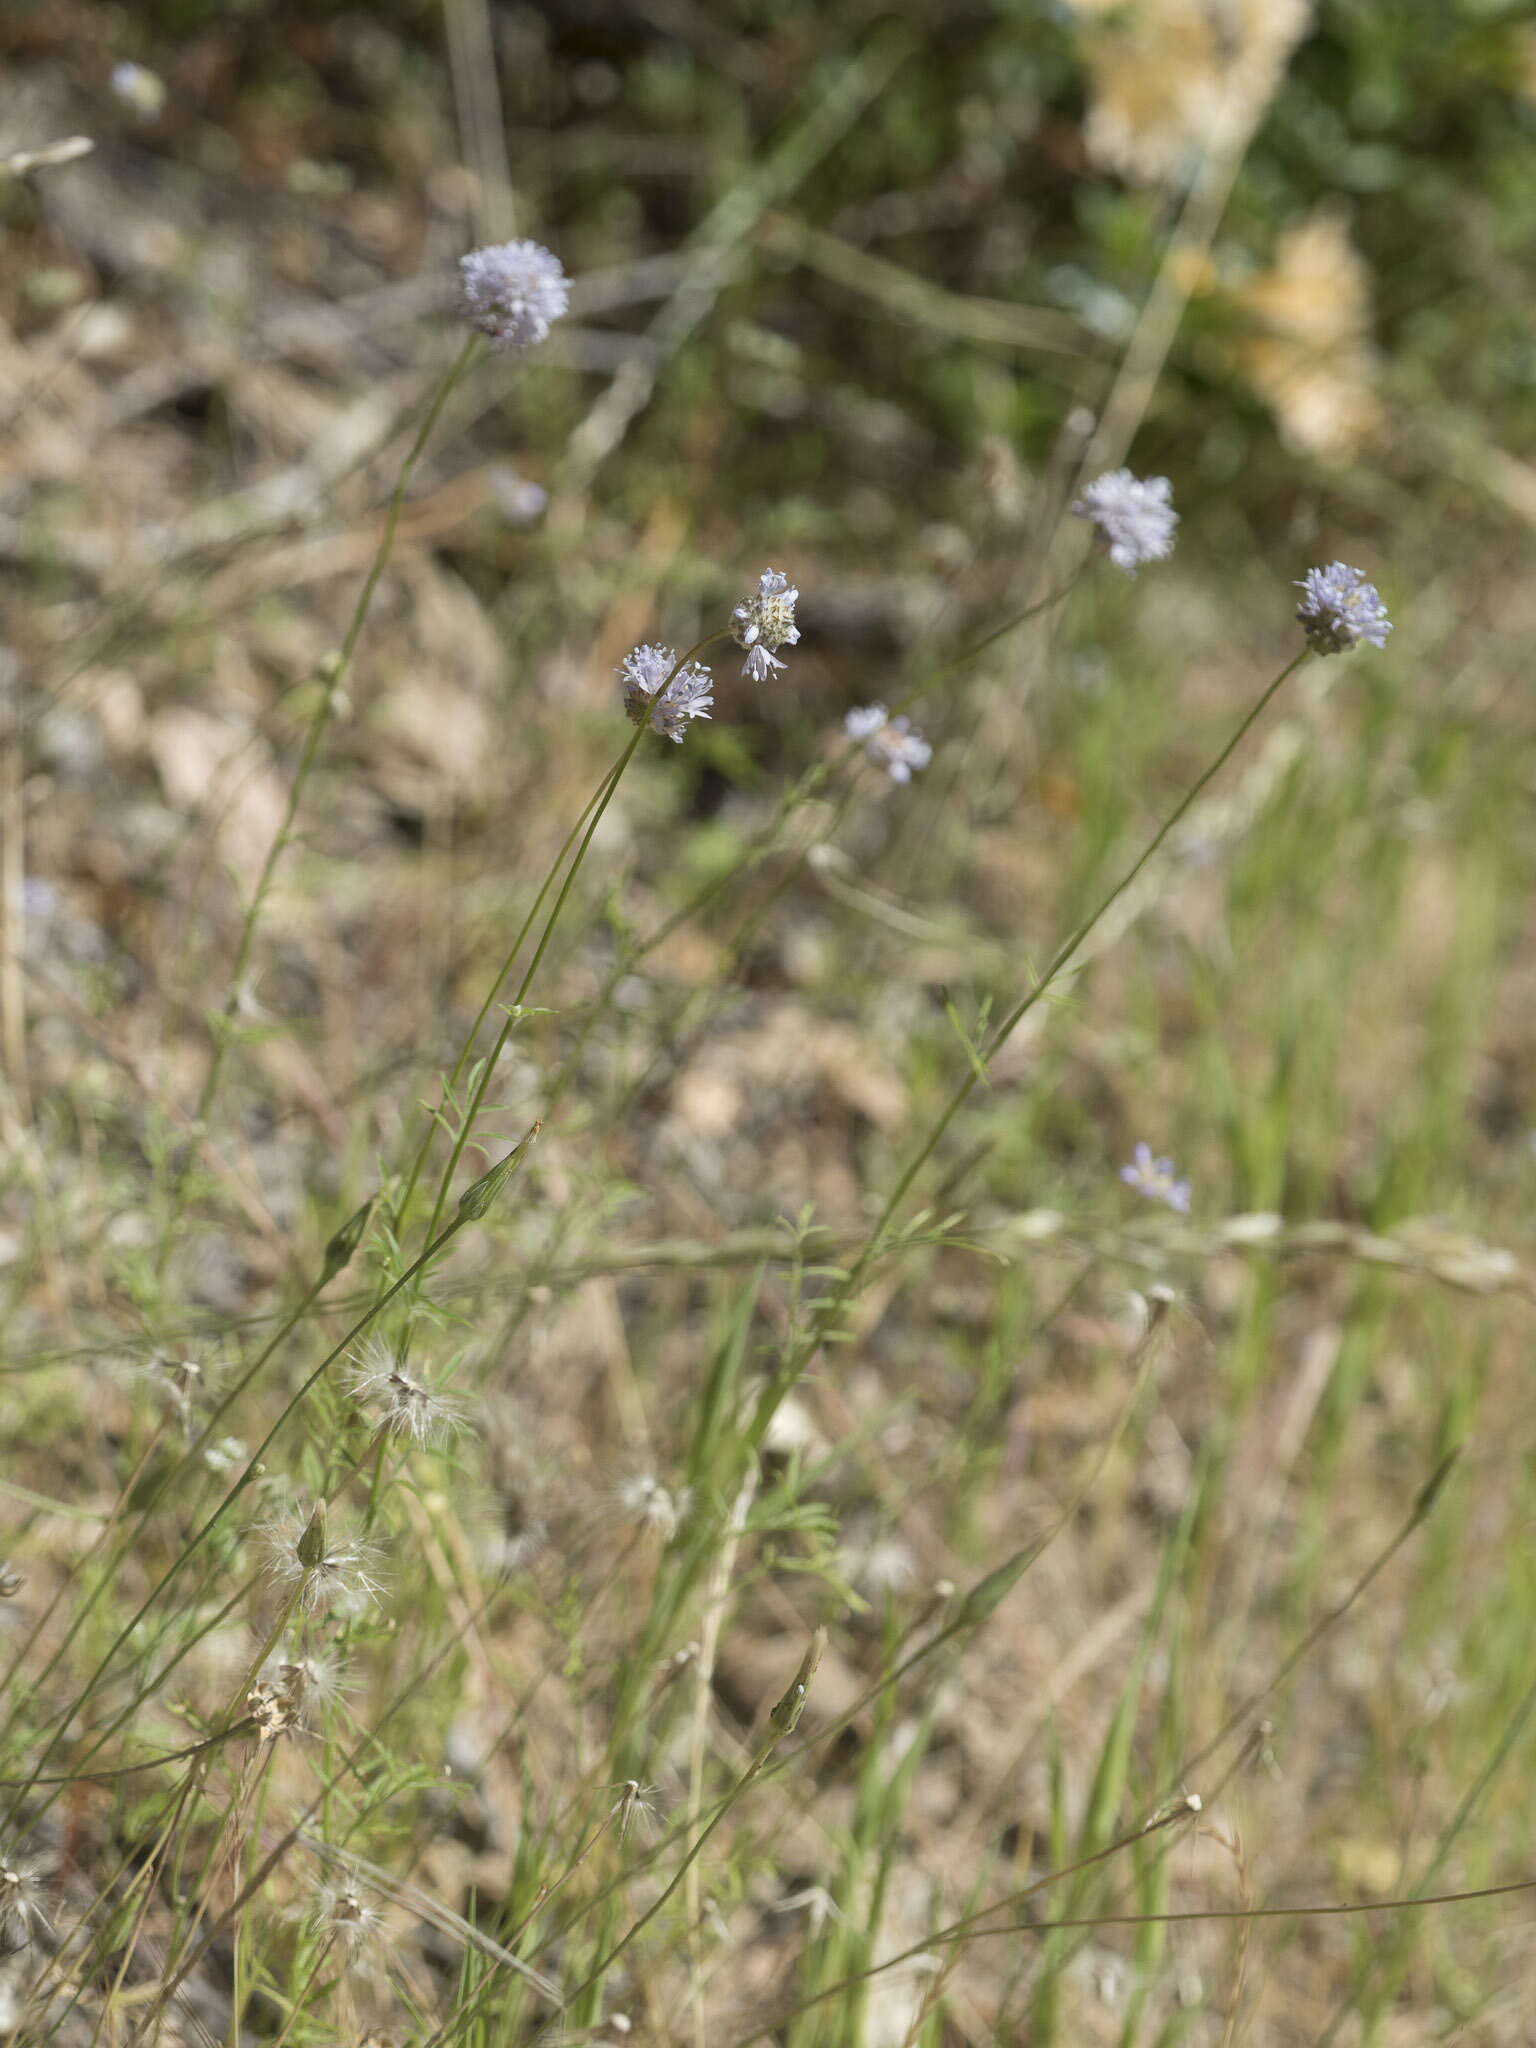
(514, 1008)
(447, 1094)
(781, 1381)
(274, 1637)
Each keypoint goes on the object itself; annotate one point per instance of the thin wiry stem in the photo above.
(514, 1008)
(403, 1204)
(826, 1318)
(961, 1930)
(195, 1542)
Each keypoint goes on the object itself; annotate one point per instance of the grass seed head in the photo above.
(329, 1569)
(405, 1406)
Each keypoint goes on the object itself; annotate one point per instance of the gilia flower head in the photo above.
(1132, 517)
(764, 623)
(889, 742)
(668, 711)
(407, 1407)
(1156, 1179)
(328, 1569)
(21, 1897)
(513, 292)
(1340, 609)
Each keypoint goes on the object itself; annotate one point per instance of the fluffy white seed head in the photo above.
(328, 1569)
(646, 1501)
(403, 1404)
(343, 1916)
(294, 1690)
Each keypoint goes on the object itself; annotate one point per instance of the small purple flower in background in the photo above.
(1340, 609)
(139, 89)
(1133, 518)
(1156, 1179)
(668, 711)
(764, 623)
(513, 292)
(889, 742)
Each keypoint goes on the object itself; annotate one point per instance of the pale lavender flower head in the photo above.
(889, 742)
(1132, 517)
(513, 292)
(765, 622)
(1339, 609)
(1157, 1180)
(669, 710)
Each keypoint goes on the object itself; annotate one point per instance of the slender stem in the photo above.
(601, 1969)
(304, 1990)
(547, 1892)
(187, 1460)
(446, 1096)
(514, 1008)
(1063, 955)
(780, 1383)
(253, 1465)
(273, 1637)
(1302, 1910)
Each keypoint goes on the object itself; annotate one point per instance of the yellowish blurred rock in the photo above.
(1310, 356)
(1171, 78)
